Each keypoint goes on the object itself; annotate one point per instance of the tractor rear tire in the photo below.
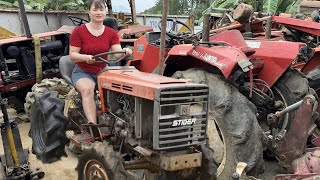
(48, 127)
(46, 85)
(233, 131)
(99, 159)
(290, 88)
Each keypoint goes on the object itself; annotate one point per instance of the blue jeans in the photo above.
(78, 73)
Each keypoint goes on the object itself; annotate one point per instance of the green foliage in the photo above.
(200, 7)
(5, 4)
(156, 9)
(181, 7)
(270, 5)
(266, 6)
(47, 4)
(292, 8)
(224, 3)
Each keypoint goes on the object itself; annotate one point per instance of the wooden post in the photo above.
(133, 11)
(24, 18)
(206, 28)
(109, 6)
(268, 28)
(163, 36)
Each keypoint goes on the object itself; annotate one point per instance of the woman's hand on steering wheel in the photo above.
(99, 58)
(89, 59)
(128, 51)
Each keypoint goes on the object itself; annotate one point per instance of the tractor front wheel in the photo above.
(233, 131)
(99, 161)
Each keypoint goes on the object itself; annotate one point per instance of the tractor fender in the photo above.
(223, 57)
(277, 56)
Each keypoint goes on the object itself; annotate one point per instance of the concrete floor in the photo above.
(63, 169)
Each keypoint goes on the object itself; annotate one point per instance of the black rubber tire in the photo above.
(48, 127)
(103, 155)
(293, 86)
(314, 79)
(235, 117)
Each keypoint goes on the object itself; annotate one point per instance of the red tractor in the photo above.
(247, 107)
(146, 121)
(239, 78)
(129, 98)
(252, 97)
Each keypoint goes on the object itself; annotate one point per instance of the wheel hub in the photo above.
(95, 171)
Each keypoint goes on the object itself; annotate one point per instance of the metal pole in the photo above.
(268, 28)
(133, 11)
(109, 5)
(163, 35)
(24, 19)
(206, 28)
(37, 57)
(12, 145)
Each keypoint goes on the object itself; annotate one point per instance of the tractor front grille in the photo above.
(180, 117)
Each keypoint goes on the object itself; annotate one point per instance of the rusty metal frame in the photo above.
(185, 161)
(293, 144)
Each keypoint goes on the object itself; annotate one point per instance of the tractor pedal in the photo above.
(83, 137)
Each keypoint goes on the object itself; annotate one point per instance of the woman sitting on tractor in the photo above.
(88, 40)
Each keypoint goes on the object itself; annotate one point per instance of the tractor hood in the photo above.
(136, 83)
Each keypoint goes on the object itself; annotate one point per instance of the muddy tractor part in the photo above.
(245, 64)
(290, 145)
(306, 167)
(242, 13)
(307, 7)
(26, 60)
(6, 33)
(14, 163)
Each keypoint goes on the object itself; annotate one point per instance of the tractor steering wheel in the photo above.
(77, 21)
(110, 62)
(175, 34)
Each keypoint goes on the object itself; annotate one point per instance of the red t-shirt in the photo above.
(92, 45)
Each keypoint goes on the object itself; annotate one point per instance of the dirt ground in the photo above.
(63, 169)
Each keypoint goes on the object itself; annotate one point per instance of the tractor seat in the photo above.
(66, 66)
(111, 23)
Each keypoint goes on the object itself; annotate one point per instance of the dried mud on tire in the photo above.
(234, 116)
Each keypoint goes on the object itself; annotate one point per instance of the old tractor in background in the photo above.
(23, 62)
(235, 71)
(259, 32)
(26, 60)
